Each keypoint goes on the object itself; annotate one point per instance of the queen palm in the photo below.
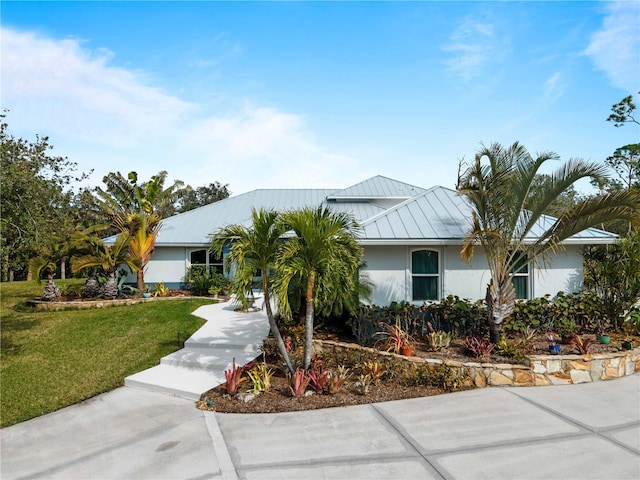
(322, 249)
(108, 258)
(252, 250)
(498, 185)
(50, 255)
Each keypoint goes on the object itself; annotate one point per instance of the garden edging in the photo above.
(54, 306)
(542, 369)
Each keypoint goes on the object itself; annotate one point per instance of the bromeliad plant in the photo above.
(298, 382)
(479, 346)
(337, 379)
(375, 370)
(394, 338)
(234, 378)
(438, 341)
(581, 345)
(260, 376)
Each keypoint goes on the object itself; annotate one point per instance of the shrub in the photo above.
(298, 382)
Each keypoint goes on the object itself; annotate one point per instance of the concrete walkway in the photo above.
(586, 431)
(200, 365)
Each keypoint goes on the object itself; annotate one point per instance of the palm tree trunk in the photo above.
(140, 279)
(308, 342)
(501, 302)
(275, 331)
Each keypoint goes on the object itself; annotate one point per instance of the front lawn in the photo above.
(50, 360)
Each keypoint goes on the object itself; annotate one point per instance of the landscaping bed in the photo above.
(426, 373)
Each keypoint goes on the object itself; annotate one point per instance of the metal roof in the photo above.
(377, 187)
(434, 216)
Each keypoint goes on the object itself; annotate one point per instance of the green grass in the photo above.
(50, 360)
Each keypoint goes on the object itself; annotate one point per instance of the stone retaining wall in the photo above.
(542, 369)
(54, 306)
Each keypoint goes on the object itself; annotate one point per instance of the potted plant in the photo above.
(147, 292)
(627, 344)
(602, 336)
(554, 348)
(397, 340)
(565, 327)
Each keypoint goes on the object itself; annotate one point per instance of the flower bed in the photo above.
(541, 369)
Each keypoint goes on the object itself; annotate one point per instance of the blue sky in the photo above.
(315, 94)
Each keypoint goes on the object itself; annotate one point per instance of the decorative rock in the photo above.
(579, 365)
(480, 380)
(559, 379)
(554, 366)
(581, 376)
(540, 380)
(497, 378)
(538, 367)
(523, 377)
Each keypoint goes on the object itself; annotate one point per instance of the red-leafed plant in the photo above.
(234, 378)
(582, 345)
(479, 346)
(318, 376)
(298, 382)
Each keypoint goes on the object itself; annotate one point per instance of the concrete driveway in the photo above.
(587, 431)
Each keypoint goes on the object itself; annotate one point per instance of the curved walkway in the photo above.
(559, 432)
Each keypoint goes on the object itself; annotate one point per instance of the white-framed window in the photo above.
(204, 257)
(520, 278)
(425, 275)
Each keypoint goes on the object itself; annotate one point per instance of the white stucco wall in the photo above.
(168, 265)
(389, 269)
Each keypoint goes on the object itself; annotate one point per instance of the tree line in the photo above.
(42, 202)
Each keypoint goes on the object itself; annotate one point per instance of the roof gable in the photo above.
(377, 187)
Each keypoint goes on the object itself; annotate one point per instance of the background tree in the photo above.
(498, 186)
(623, 112)
(323, 249)
(36, 200)
(254, 250)
(194, 198)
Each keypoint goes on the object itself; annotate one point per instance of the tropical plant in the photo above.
(581, 345)
(260, 376)
(50, 255)
(143, 229)
(394, 338)
(498, 185)
(108, 258)
(375, 370)
(438, 341)
(479, 346)
(298, 382)
(336, 379)
(234, 378)
(254, 250)
(322, 250)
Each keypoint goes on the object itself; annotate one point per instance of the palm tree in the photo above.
(498, 185)
(143, 229)
(108, 258)
(322, 250)
(254, 249)
(87, 242)
(50, 255)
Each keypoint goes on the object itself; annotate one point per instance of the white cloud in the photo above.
(473, 45)
(109, 118)
(554, 87)
(615, 48)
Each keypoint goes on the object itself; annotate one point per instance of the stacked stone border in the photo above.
(54, 306)
(541, 369)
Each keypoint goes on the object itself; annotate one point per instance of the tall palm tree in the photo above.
(498, 185)
(323, 249)
(108, 258)
(254, 250)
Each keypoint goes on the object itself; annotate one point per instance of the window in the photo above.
(520, 278)
(425, 274)
(204, 257)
